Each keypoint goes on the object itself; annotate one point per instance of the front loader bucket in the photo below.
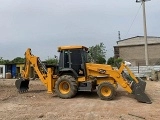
(22, 85)
(138, 91)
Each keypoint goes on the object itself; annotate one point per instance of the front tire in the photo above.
(66, 86)
(106, 91)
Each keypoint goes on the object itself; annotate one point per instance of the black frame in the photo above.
(74, 59)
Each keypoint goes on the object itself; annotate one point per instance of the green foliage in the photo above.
(112, 61)
(97, 54)
(52, 61)
(14, 61)
(101, 60)
(2, 61)
(7, 61)
(18, 60)
(118, 60)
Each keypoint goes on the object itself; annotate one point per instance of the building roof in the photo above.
(138, 40)
(137, 37)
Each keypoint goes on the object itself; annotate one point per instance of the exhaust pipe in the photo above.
(22, 85)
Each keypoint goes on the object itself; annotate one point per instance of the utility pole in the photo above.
(145, 29)
(119, 35)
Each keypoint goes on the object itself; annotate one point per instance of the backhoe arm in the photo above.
(46, 76)
(33, 60)
(26, 71)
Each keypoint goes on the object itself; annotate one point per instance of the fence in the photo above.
(145, 71)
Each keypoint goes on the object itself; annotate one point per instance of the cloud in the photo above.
(43, 25)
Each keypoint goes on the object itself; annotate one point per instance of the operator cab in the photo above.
(73, 58)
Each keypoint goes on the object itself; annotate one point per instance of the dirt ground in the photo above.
(38, 105)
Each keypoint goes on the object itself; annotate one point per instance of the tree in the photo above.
(7, 61)
(18, 60)
(97, 54)
(101, 60)
(2, 61)
(118, 60)
(112, 61)
(14, 61)
(52, 61)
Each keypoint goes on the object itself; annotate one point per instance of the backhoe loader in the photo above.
(74, 73)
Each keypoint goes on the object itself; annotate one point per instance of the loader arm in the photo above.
(123, 76)
(46, 76)
(132, 84)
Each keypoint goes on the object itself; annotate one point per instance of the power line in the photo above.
(133, 21)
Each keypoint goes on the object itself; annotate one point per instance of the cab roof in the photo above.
(71, 47)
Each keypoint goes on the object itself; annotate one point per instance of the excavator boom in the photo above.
(45, 75)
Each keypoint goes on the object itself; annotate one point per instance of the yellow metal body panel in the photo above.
(94, 69)
(105, 73)
(71, 47)
(108, 79)
(81, 79)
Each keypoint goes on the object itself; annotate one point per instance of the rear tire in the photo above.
(66, 86)
(106, 91)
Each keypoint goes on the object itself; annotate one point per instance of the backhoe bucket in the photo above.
(138, 91)
(22, 85)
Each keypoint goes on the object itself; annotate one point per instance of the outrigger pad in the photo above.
(138, 91)
(22, 85)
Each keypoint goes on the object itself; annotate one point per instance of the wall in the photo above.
(19, 68)
(133, 50)
(136, 54)
(143, 71)
(2, 71)
(14, 71)
(11, 68)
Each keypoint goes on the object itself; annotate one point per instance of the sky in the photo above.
(43, 25)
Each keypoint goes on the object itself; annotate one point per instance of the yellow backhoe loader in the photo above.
(75, 74)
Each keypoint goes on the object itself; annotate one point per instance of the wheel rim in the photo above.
(106, 91)
(64, 87)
